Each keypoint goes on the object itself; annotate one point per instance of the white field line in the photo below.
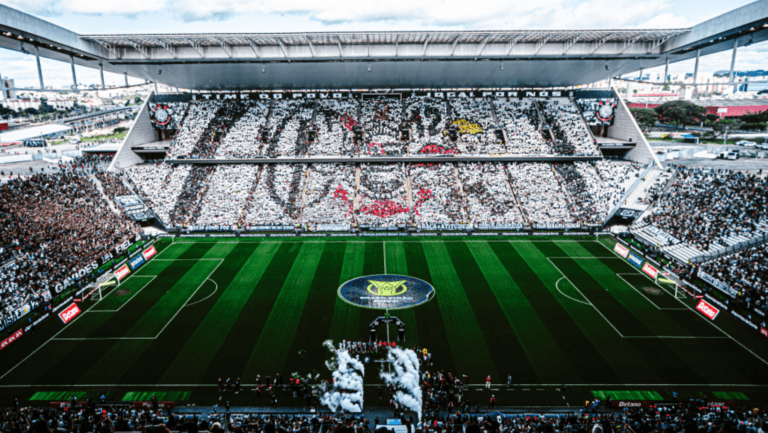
(698, 315)
(643, 294)
(475, 385)
(92, 310)
(557, 286)
(384, 245)
(212, 293)
(590, 302)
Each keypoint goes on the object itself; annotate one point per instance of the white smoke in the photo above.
(347, 391)
(405, 378)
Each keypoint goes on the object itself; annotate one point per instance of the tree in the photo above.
(680, 112)
(729, 124)
(645, 116)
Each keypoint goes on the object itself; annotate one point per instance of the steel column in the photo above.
(74, 76)
(39, 68)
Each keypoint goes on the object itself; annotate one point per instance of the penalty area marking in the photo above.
(557, 286)
(212, 293)
(647, 298)
(92, 310)
(711, 322)
(116, 338)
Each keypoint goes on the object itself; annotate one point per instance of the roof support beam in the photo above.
(602, 42)
(338, 39)
(455, 41)
(108, 47)
(165, 45)
(282, 47)
(658, 42)
(426, 41)
(543, 42)
(368, 44)
(571, 43)
(196, 47)
(514, 42)
(629, 43)
(311, 48)
(138, 47)
(397, 41)
(482, 46)
(224, 46)
(253, 47)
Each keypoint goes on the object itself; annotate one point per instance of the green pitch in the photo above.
(549, 312)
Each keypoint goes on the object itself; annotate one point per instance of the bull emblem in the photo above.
(387, 288)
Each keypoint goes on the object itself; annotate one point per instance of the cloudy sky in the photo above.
(173, 16)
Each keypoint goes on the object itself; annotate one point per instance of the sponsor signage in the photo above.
(745, 320)
(650, 270)
(764, 331)
(11, 338)
(386, 292)
(76, 276)
(148, 404)
(359, 95)
(36, 322)
(122, 272)
(718, 284)
(635, 259)
(69, 313)
(149, 252)
(718, 303)
(621, 250)
(707, 309)
(135, 262)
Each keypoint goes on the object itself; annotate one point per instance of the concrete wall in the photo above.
(141, 132)
(624, 127)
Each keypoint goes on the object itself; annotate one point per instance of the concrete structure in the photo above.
(719, 107)
(45, 131)
(510, 58)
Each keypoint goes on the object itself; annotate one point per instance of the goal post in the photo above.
(664, 279)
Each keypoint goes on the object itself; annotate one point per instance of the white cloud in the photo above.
(476, 14)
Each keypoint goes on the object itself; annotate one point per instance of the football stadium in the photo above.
(379, 231)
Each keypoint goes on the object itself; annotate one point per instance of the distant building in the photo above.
(8, 83)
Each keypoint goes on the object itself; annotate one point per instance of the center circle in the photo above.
(386, 292)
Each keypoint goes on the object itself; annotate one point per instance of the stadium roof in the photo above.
(33, 132)
(406, 59)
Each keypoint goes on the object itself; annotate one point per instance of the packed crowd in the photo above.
(567, 125)
(382, 120)
(703, 206)
(330, 196)
(426, 122)
(540, 193)
(383, 196)
(689, 416)
(521, 122)
(242, 140)
(381, 126)
(489, 197)
(436, 194)
(473, 118)
(277, 197)
(335, 121)
(227, 194)
(745, 271)
(160, 184)
(340, 196)
(55, 224)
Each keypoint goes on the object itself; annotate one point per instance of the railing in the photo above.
(629, 192)
(731, 249)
